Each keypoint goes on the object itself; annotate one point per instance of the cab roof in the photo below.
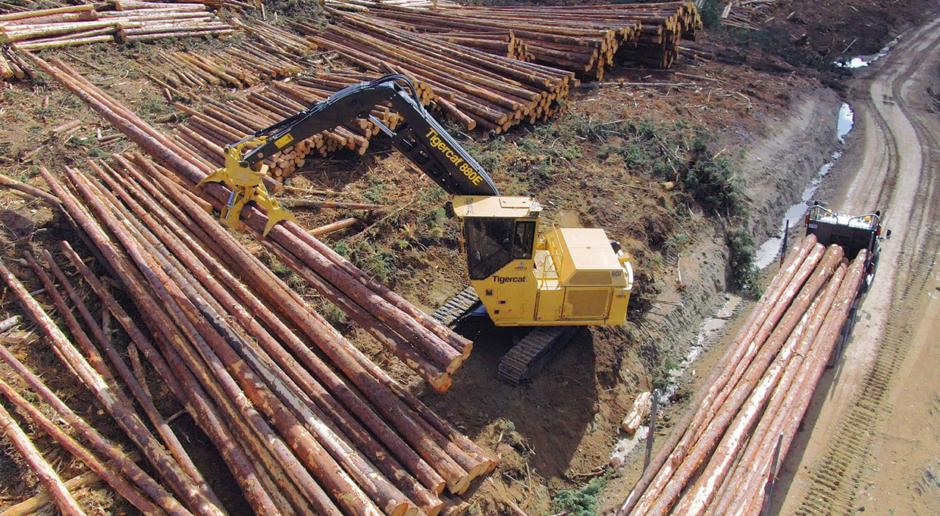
(473, 206)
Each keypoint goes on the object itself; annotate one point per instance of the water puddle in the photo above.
(845, 122)
(709, 333)
(769, 251)
(863, 61)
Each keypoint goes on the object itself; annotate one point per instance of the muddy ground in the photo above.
(604, 163)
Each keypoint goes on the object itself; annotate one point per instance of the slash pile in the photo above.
(129, 21)
(476, 88)
(207, 132)
(721, 456)
(13, 67)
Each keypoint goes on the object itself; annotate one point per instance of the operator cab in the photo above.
(496, 231)
(853, 233)
(529, 277)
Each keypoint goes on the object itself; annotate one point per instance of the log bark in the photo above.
(30, 191)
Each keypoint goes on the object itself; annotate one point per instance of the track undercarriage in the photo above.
(529, 355)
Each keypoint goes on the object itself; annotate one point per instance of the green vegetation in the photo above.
(671, 152)
(776, 40)
(744, 273)
(153, 107)
(582, 502)
(332, 314)
(375, 192)
(487, 153)
(711, 13)
(377, 261)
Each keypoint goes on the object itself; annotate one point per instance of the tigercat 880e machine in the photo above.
(553, 280)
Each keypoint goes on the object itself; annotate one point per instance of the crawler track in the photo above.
(533, 352)
(450, 313)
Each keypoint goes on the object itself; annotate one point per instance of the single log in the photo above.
(333, 227)
(46, 12)
(9, 323)
(641, 408)
(30, 191)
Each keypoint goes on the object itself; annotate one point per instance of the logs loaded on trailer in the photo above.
(217, 124)
(118, 21)
(305, 421)
(721, 455)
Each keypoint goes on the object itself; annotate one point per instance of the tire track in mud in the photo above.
(836, 478)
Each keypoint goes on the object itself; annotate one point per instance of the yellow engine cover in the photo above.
(574, 278)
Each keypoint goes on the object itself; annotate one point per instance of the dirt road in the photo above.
(873, 432)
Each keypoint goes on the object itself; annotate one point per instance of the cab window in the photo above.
(493, 243)
(489, 243)
(523, 235)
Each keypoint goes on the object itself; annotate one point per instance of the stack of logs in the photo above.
(217, 124)
(434, 351)
(723, 453)
(241, 65)
(13, 67)
(499, 42)
(747, 14)
(305, 421)
(586, 39)
(475, 88)
(129, 21)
